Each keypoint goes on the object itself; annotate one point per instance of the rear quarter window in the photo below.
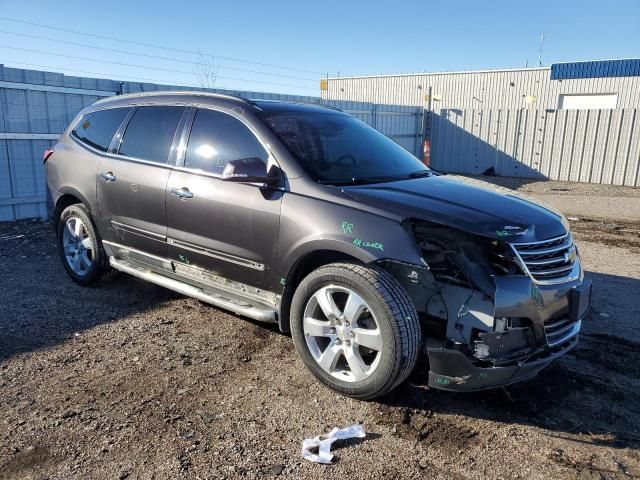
(97, 129)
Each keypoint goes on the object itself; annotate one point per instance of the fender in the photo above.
(308, 225)
(69, 190)
(73, 174)
(92, 206)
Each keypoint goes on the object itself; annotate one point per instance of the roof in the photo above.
(586, 69)
(459, 72)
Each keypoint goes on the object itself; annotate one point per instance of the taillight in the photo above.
(47, 154)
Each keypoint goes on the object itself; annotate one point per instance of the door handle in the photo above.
(108, 177)
(183, 193)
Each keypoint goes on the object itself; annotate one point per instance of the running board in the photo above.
(221, 300)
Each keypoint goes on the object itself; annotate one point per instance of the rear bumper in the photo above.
(453, 370)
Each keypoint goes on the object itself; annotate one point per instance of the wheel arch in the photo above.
(66, 199)
(302, 267)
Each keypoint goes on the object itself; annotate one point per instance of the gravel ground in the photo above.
(129, 380)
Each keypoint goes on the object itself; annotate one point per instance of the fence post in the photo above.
(426, 129)
(3, 128)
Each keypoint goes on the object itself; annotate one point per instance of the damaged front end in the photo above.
(494, 311)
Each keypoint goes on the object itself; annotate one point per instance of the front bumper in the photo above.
(555, 330)
(453, 370)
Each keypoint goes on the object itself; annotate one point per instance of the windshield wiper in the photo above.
(421, 173)
(360, 181)
(381, 179)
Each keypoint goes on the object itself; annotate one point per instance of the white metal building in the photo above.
(589, 85)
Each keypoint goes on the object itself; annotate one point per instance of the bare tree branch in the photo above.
(206, 71)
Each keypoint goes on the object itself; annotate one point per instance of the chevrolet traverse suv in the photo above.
(304, 216)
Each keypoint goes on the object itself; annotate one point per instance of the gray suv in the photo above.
(304, 216)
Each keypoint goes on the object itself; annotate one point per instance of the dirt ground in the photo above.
(129, 380)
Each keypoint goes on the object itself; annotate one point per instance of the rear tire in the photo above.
(356, 329)
(80, 247)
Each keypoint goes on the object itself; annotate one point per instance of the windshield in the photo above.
(339, 149)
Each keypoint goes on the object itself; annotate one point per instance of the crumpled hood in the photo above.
(469, 205)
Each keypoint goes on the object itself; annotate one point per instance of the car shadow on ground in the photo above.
(29, 327)
(41, 307)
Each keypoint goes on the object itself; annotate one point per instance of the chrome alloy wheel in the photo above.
(342, 333)
(77, 245)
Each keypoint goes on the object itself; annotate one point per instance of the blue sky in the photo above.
(349, 37)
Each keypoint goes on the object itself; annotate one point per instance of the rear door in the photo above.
(132, 182)
(227, 228)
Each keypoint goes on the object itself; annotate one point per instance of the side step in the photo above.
(235, 305)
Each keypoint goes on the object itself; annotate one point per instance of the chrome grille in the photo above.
(559, 331)
(549, 261)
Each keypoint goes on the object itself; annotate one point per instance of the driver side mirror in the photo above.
(250, 170)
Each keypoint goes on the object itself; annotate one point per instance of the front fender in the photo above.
(310, 224)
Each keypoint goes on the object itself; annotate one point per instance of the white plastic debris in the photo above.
(323, 443)
(10, 237)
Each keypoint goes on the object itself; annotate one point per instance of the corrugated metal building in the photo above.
(571, 121)
(542, 88)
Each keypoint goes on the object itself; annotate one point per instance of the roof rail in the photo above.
(254, 101)
(158, 93)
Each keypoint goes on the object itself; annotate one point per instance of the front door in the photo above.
(227, 228)
(131, 184)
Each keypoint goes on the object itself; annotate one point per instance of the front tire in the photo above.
(356, 329)
(80, 247)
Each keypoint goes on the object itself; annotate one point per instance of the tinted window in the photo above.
(150, 133)
(217, 138)
(338, 148)
(98, 128)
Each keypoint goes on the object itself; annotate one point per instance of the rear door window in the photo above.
(217, 138)
(97, 129)
(150, 133)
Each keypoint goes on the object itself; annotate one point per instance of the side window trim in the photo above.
(117, 138)
(187, 134)
(181, 138)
